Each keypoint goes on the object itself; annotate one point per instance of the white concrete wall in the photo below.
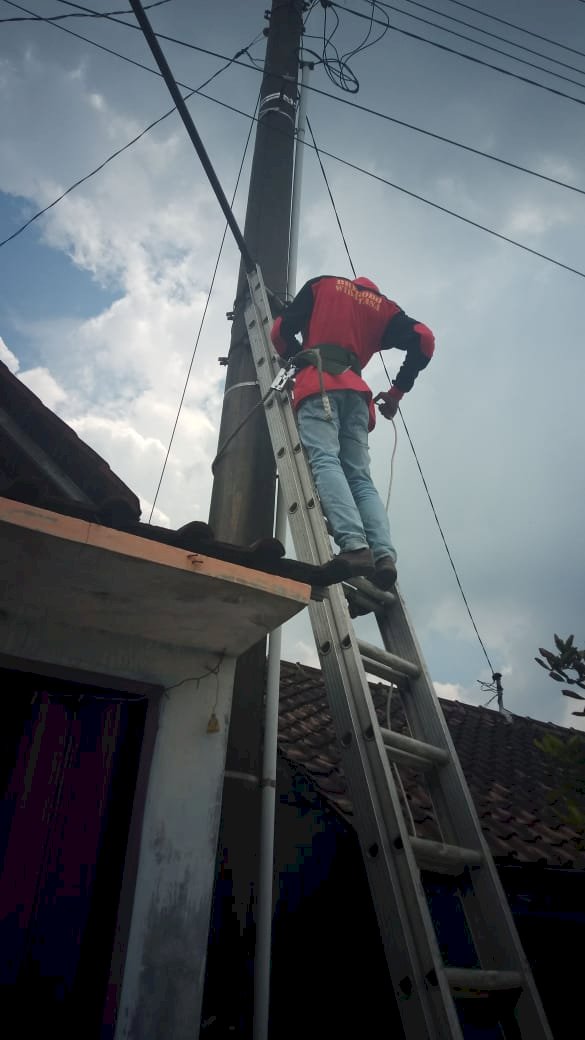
(165, 963)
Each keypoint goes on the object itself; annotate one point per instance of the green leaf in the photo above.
(571, 693)
(558, 676)
(559, 644)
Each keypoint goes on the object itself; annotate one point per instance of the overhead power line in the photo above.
(119, 151)
(484, 32)
(404, 32)
(317, 90)
(191, 129)
(471, 58)
(420, 198)
(79, 14)
(447, 140)
(520, 28)
(410, 441)
(331, 155)
(203, 317)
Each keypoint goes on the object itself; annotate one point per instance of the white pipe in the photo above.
(262, 956)
(295, 216)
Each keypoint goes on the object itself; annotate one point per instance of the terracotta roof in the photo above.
(511, 780)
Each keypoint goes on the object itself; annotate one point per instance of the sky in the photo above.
(101, 299)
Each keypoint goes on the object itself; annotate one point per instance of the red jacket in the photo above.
(337, 310)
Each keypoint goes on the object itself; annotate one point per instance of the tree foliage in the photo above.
(567, 665)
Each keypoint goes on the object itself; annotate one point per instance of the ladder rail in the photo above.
(379, 819)
(460, 825)
(422, 982)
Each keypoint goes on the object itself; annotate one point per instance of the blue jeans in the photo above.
(338, 454)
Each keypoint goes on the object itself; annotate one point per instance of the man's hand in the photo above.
(388, 403)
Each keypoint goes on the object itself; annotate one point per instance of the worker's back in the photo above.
(351, 317)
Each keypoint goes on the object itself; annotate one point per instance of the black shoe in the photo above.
(361, 562)
(385, 575)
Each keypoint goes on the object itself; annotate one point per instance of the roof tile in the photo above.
(510, 778)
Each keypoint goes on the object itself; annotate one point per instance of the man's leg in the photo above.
(355, 461)
(320, 438)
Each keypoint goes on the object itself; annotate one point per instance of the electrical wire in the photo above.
(416, 458)
(223, 447)
(318, 154)
(495, 36)
(448, 550)
(359, 14)
(471, 58)
(344, 101)
(337, 158)
(411, 445)
(520, 28)
(203, 317)
(382, 115)
(428, 202)
(119, 151)
(446, 140)
(80, 14)
(323, 93)
(478, 43)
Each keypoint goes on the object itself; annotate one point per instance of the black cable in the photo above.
(192, 131)
(361, 108)
(404, 32)
(446, 140)
(520, 28)
(94, 43)
(421, 198)
(354, 166)
(203, 316)
(485, 32)
(324, 93)
(469, 57)
(119, 151)
(448, 551)
(331, 197)
(408, 434)
(397, 187)
(235, 432)
(79, 14)
(476, 43)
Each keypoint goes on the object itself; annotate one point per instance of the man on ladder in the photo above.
(343, 324)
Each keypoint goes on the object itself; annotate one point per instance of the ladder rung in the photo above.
(404, 758)
(475, 980)
(447, 859)
(382, 671)
(399, 664)
(370, 590)
(435, 755)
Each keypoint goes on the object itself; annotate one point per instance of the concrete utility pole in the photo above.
(243, 496)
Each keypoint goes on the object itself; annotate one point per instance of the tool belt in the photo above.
(330, 358)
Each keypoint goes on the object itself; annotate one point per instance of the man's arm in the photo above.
(419, 343)
(294, 318)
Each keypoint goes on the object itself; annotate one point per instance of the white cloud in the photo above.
(450, 691)
(44, 385)
(9, 359)
(531, 219)
(305, 653)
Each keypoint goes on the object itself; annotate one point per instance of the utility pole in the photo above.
(242, 502)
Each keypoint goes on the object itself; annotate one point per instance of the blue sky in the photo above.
(101, 298)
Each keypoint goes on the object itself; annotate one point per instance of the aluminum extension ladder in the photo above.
(424, 986)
